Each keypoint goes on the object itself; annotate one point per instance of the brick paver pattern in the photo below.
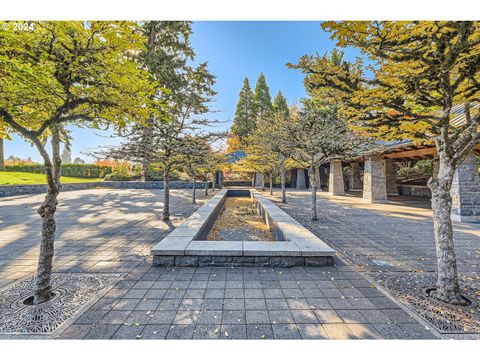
(112, 231)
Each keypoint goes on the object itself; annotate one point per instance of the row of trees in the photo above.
(416, 73)
(137, 79)
(306, 137)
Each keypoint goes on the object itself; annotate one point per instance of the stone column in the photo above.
(301, 182)
(323, 176)
(374, 182)
(391, 177)
(218, 179)
(465, 191)
(335, 183)
(259, 180)
(355, 177)
(293, 178)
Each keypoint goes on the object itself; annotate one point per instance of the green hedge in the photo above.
(70, 170)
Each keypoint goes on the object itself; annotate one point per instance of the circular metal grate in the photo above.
(72, 292)
(410, 288)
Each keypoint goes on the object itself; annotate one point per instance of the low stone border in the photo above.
(14, 190)
(295, 245)
(421, 191)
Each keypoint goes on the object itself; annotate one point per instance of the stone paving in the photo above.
(112, 231)
(98, 230)
(245, 303)
(395, 237)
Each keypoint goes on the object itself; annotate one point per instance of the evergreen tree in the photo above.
(244, 121)
(262, 100)
(280, 105)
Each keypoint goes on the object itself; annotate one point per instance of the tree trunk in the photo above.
(43, 286)
(166, 195)
(206, 185)
(282, 177)
(271, 184)
(448, 289)
(313, 188)
(2, 156)
(144, 172)
(194, 200)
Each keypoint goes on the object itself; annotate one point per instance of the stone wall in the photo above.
(466, 191)
(355, 182)
(422, 191)
(13, 190)
(391, 177)
(237, 183)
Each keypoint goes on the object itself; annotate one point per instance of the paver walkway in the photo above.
(99, 230)
(112, 231)
(397, 236)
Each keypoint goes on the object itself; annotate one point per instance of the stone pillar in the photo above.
(391, 177)
(301, 183)
(218, 179)
(355, 177)
(465, 191)
(374, 182)
(293, 178)
(259, 180)
(335, 183)
(323, 177)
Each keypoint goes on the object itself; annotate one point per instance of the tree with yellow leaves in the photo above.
(60, 73)
(416, 73)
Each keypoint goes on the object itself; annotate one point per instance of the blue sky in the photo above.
(233, 50)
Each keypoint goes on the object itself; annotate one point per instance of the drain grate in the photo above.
(447, 319)
(72, 293)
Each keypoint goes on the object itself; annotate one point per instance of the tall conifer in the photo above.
(244, 121)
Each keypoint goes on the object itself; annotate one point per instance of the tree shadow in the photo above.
(382, 237)
(97, 230)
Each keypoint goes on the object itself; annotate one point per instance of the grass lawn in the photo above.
(23, 178)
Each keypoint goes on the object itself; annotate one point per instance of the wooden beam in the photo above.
(425, 152)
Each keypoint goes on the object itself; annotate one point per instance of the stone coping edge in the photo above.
(294, 240)
(292, 231)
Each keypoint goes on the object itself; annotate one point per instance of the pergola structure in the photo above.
(379, 177)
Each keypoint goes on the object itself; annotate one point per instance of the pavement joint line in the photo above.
(385, 292)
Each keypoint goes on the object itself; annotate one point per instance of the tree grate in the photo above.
(72, 293)
(446, 319)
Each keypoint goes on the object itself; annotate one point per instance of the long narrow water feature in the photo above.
(241, 227)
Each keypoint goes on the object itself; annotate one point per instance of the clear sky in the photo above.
(233, 50)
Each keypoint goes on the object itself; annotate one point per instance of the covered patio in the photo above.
(373, 178)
